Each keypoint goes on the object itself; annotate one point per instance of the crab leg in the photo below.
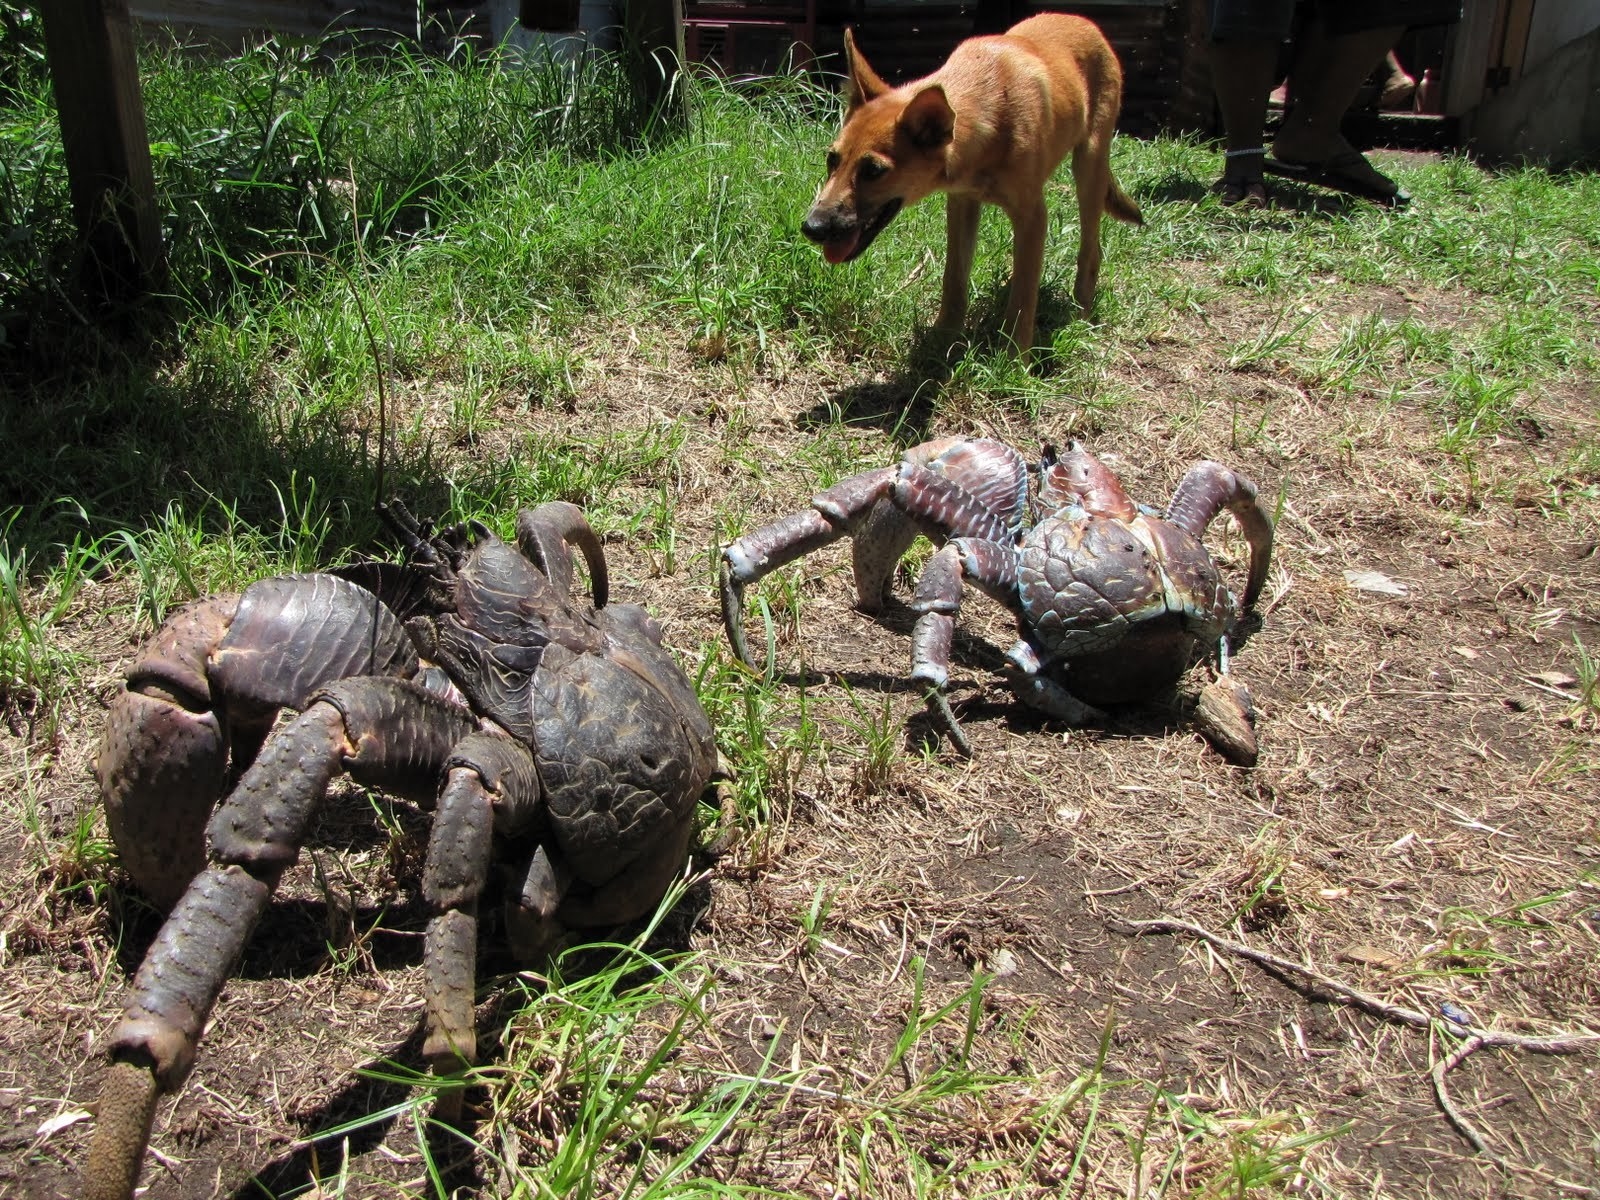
(492, 782)
(1208, 488)
(1039, 691)
(923, 501)
(833, 514)
(991, 566)
(384, 732)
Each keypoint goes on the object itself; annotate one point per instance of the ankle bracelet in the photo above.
(1261, 150)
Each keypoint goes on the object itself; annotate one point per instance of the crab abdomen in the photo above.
(1124, 602)
(621, 763)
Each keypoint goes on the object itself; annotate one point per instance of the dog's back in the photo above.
(1085, 91)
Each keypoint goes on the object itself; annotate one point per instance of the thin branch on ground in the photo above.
(1469, 1131)
(1566, 1043)
(1476, 1037)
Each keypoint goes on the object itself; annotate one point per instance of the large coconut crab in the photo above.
(1112, 600)
(556, 740)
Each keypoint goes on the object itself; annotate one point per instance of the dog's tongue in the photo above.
(837, 251)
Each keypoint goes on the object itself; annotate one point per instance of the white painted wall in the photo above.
(1554, 24)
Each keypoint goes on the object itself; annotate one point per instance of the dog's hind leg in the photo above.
(1028, 224)
(1091, 176)
(961, 243)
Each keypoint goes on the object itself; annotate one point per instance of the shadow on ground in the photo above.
(125, 430)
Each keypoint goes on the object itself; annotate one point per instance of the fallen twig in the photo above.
(1566, 1043)
(1476, 1036)
(1469, 1131)
(1120, 891)
(1442, 1068)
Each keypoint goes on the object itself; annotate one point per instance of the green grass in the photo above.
(309, 198)
(473, 241)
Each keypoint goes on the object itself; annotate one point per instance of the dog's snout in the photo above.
(820, 226)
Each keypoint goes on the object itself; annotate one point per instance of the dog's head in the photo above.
(890, 152)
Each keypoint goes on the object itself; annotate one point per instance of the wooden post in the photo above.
(653, 45)
(89, 45)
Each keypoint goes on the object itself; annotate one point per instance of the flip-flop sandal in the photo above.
(1242, 193)
(1241, 184)
(1342, 173)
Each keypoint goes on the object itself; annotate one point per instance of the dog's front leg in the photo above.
(961, 243)
(1028, 223)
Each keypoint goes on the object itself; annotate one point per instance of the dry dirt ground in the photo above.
(1426, 772)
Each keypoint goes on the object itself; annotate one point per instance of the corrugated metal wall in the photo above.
(231, 22)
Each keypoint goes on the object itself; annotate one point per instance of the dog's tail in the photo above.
(1121, 205)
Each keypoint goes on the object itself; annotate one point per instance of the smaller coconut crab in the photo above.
(557, 743)
(1113, 600)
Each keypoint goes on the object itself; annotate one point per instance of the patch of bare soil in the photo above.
(1422, 825)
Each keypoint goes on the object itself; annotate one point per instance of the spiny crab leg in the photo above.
(923, 501)
(385, 732)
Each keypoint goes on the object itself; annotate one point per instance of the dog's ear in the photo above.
(863, 83)
(928, 120)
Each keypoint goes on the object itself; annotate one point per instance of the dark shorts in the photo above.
(1273, 20)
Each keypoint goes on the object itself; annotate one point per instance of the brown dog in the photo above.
(988, 127)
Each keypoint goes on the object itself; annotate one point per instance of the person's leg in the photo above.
(1244, 73)
(1398, 86)
(1328, 70)
(1245, 37)
(1329, 67)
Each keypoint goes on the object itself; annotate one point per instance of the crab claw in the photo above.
(164, 756)
(733, 612)
(204, 693)
(1225, 715)
(1207, 489)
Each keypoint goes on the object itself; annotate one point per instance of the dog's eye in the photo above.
(872, 168)
(833, 161)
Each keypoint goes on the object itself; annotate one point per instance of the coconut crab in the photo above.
(555, 740)
(1112, 599)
